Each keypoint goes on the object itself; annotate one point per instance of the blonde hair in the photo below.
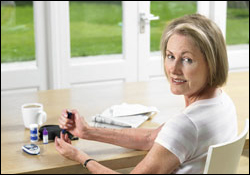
(208, 38)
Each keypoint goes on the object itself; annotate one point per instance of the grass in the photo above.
(237, 26)
(17, 34)
(96, 28)
(167, 10)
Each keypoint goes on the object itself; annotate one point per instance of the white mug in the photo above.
(33, 113)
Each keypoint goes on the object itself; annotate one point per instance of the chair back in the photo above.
(224, 158)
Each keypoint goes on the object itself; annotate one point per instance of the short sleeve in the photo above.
(179, 136)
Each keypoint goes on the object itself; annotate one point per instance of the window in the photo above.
(167, 10)
(237, 31)
(108, 33)
(95, 28)
(17, 31)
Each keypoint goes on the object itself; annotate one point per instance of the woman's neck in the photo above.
(206, 93)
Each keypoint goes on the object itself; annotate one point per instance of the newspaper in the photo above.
(123, 116)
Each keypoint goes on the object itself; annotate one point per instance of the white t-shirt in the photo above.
(189, 134)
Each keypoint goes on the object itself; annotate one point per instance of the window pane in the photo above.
(237, 22)
(17, 31)
(95, 27)
(167, 10)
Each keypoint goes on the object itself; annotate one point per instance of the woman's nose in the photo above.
(175, 68)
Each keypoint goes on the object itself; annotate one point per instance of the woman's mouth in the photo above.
(178, 81)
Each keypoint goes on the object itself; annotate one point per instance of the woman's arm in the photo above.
(133, 138)
(158, 160)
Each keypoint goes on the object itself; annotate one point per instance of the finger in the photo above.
(62, 121)
(77, 117)
(67, 138)
(58, 147)
(64, 112)
(75, 112)
(65, 123)
(69, 121)
(61, 142)
(62, 135)
(62, 127)
(69, 125)
(56, 143)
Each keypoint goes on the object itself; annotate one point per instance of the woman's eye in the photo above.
(170, 56)
(187, 60)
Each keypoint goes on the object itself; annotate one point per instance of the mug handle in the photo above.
(42, 117)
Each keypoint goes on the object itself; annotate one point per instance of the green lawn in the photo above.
(17, 34)
(237, 26)
(96, 28)
(167, 10)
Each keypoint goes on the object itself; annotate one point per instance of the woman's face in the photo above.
(185, 66)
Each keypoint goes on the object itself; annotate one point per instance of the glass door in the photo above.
(22, 60)
(167, 10)
(17, 31)
(95, 28)
(102, 42)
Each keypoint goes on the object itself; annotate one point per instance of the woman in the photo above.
(195, 61)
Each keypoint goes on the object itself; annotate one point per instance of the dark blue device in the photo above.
(69, 117)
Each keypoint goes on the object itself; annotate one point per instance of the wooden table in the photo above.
(90, 101)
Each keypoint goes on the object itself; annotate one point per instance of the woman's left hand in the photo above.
(64, 147)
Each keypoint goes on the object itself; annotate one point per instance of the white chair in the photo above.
(224, 158)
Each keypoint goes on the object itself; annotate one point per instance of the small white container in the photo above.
(33, 132)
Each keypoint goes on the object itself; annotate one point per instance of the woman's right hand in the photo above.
(76, 125)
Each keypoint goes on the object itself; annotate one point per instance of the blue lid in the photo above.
(45, 132)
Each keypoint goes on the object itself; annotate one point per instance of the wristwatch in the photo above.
(87, 161)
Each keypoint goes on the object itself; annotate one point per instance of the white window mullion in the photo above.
(58, 43)
(149, 64)
(219, 14)
(216, 11)
(40, 42)
(143, 42)
(130, 39)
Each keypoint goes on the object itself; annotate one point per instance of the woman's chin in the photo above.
(176, 92)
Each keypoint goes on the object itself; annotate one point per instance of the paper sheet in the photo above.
(124, 115)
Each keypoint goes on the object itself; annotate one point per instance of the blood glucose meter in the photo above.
(31, 149)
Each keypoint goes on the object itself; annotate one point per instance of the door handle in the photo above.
(145, 19)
